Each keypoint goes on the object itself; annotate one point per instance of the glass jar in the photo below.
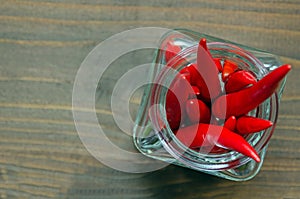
(163, 145)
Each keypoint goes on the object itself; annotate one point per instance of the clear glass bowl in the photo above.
(163, 144)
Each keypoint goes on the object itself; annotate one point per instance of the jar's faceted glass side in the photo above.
(232, 165)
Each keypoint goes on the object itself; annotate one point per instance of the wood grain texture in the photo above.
(42, 44)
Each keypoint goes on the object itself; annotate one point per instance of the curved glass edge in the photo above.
(244, 172)
(154, 149)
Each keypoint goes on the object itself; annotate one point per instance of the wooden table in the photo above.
(42, 44)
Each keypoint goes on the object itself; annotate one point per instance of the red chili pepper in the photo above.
(175, 100)
(171, 51)
(195, 94)
(217, 61)
(230, 123)
(209, 84)
(194, 136)
(203, 43)
(228, 68)
(197, 111)
(194, 74)
(173, 111)
(218, 64)
(241, 102)
(239, 80)
(197, 80)
(248, 124)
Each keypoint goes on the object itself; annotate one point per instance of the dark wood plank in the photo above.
(42, 44)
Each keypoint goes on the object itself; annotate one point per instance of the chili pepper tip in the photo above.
(249, 124)
(255, 157)
(203, 43)
(245, 100)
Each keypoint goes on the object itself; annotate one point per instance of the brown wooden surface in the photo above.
(42, 44)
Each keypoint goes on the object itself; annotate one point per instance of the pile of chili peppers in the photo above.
(213, 98)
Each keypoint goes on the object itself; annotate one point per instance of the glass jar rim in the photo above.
(229, 159)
